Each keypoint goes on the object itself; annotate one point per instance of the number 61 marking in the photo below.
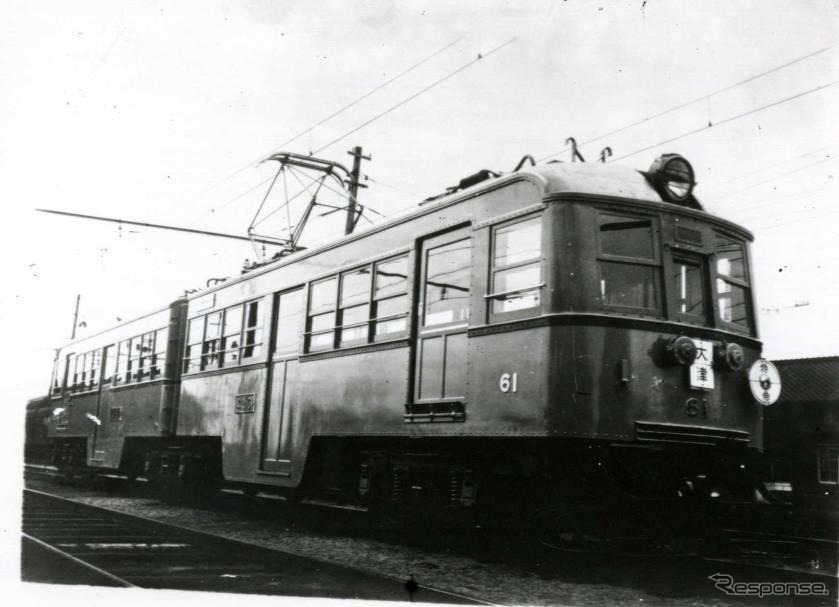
(508, 382)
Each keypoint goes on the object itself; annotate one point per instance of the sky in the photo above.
(161, 112)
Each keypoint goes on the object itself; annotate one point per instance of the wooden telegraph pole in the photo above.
(355, 176)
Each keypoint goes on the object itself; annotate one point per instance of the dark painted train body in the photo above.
(531, 335)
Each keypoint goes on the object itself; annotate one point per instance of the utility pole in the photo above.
(76, 316)
(355, 176)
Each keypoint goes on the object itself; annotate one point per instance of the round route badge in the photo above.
(765, 382)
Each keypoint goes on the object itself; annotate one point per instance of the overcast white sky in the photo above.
(143, 110)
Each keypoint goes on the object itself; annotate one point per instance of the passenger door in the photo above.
(278, 422)
(442, 321)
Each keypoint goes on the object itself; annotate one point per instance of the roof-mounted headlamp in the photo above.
(673, 177)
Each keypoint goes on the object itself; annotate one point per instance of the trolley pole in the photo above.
(355, 177)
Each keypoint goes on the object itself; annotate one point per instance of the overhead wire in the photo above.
(381, 114)
(775, 178)
(414, 96)
(338, 112)
(784, 162)
(692, 101)
(727, 120)
(788, 197)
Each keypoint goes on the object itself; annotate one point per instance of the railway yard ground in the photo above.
(454, 566)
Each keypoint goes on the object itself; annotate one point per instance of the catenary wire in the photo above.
(337, 112)
(691, 102)
(414, 96)
(727, 120)
(784, 162)
(775, 178)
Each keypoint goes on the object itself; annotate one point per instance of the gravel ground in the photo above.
(542, 578)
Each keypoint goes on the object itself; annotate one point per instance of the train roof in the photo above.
(124, 326)
(554, 179)
(595, 179)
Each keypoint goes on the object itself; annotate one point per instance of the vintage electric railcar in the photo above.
(525, 339)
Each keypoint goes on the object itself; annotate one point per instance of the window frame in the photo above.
(257, 345)
(423, 307)
(371, 303)
(676, 257)
(108, 369)
(211, 359)
(94, 367)
(190, 358)
(492, 296)
(211, 348)
(744, 283)
(834, 472)
(377, 300)
(288, 349)
(158, 355)
(655, 262)
(122, 374)
(224, 336)
(321, 312)
(343, 307)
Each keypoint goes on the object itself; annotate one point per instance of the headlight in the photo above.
(673, 176)
(729, 356)
(681, 350)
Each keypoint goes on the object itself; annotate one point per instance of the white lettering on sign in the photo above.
(508, 382)
(702, 371)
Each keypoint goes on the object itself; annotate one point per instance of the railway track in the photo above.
(68, 542)
(563, 571)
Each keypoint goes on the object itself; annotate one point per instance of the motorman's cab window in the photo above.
(732, 283)
(629, 264)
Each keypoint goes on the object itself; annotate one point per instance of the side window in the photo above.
(289, 322)
(81, 370)
(212, 338)
(253, 330)
(390, 298)
(354, 307)
(689, 288)
(58, 371)
(828, 465)
(732, 283)
(516, 266)
(136, 353)
(109, 364)
(192, 354)
(122, 361)
(72, 374)
(146, 354)
(158, 359)
(446, 288)
(94, 359)
(629, 264)
(231, 336)
(321, 320)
